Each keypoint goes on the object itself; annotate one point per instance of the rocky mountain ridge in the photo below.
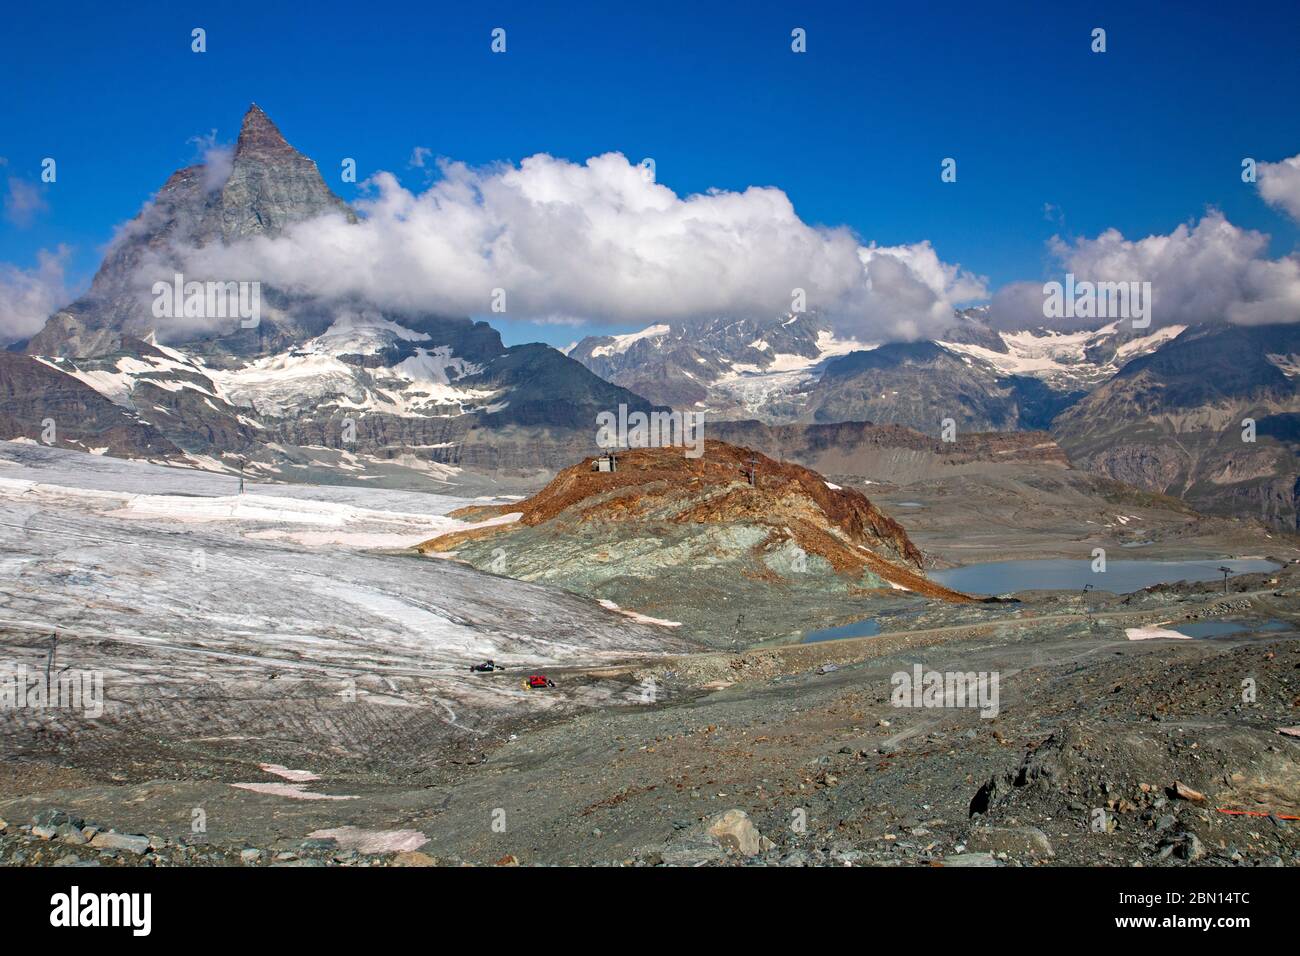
(800, 368)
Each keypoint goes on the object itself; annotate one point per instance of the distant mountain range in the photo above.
(353, 392)
(798, 368)
(731, 368)
(1160, 409)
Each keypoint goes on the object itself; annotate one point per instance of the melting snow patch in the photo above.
(301, 776)
(294, 791)
(373, 841)
(1153, 633)
(640, 618)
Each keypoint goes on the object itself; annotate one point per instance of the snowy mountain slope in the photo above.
(731, 368)
(343, 368)
(777, 390)
(367, 399)
(770, 370)
(1066, 361)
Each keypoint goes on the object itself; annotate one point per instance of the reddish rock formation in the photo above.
(840, 525)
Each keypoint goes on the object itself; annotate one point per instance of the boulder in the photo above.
(971, 859)
(1029, 841)
(735, 831)
(121, 841)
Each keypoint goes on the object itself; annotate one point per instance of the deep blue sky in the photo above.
(1140, 138)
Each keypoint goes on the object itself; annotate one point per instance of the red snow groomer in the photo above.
(538, 682)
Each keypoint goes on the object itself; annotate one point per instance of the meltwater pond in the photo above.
(1120, 577)
(1222, 628)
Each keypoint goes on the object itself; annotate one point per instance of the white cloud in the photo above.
(23, 202)
(911, 292)
(598, 240)
(29, 296)
(217, 159)
(1279, 185)
(1207, 271)
(1019, 305)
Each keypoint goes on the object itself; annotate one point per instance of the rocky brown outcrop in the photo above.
(790, 524)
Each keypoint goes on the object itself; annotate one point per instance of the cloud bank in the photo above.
(23, 202)
(217, 158)
(563, 243)
(598, 240)
(1279, 185)
(29, 296)
(1207, 271)
(910, 292)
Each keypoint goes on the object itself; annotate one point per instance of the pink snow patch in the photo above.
(640, 618)
(295, 791)
(374, 841)
(1154, 633)
(298, 776)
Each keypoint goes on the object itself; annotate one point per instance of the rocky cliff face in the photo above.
(917, 384)
(42, 404)
(271, 184)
